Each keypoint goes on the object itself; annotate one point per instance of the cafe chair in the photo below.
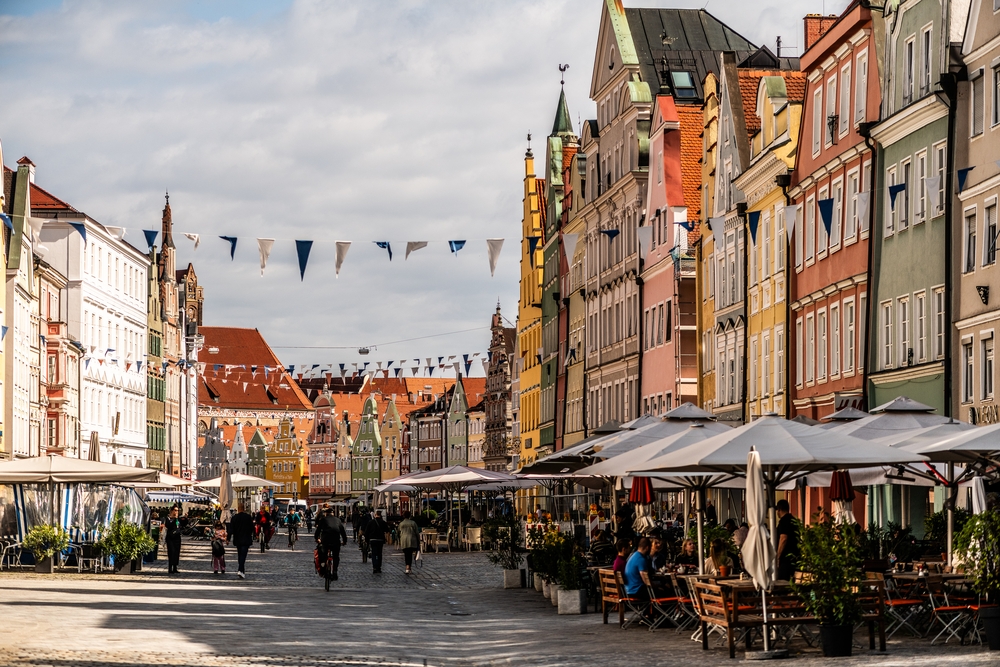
(687, 615)
(901, 610)
(661, 609)
(953, 618)
(629, 605)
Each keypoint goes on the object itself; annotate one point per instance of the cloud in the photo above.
(312, 120)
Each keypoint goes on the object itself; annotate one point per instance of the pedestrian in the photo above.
(375, 533)
(711, 516)
(409, 539)
(788, 541)
(173, 540)
(241, 530)
(219, 537)
(330, 534)
(309, 519)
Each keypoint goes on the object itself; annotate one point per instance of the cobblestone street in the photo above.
(452, 611)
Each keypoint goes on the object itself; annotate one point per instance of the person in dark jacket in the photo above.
(375, 533)
(173, 540)
(330, 534)
(241, 531)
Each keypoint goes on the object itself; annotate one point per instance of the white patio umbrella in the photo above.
(54, 469)
(226, 493)
(758, 549)
(239, 481)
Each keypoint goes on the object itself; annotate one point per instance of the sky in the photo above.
(323, 120)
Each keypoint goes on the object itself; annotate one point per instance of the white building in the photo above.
(106, 303)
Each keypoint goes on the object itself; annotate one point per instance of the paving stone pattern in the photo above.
(451, 612)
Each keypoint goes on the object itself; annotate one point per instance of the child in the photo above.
(219, 548)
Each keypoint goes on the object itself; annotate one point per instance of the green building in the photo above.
(458, 426)
(366, 451)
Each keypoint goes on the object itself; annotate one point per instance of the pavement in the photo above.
(451, 612)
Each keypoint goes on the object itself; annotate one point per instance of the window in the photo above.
(810, 228)
(835, 339)
(995, 93)
(51, 430)
(779, 359)
(861, 87)
(891, 214)
(940, 160)
(766, 366)
(844, 112)
(799, 349)
(765, 247)
(851, 221)
(779, 239)
(939, 323)
(821, 345)
(920, 205)
(970, 241)
(903, 198)
(753, 367)
(831, 109)
(817, 129)
(849, 328)
(925, 62)
(990, 234)
(683, 84)
(822, 238)
(866, 179)
(810, 348)
(904, 332)
(908, 65)
(838, 213)
(977, 101)
(887, 335)
(920, 303)
(988, 369)
(967, 372)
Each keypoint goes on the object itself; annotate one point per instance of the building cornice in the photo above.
(910, 119)
(837, 162)
(820, 294)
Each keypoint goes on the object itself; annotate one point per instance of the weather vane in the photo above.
(562, 73)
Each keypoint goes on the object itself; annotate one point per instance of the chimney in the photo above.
(31, 167)
(816, 26)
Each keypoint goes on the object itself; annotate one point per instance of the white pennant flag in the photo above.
(194, 237)
(791, 214)
(569, 246)
(493, 247)
(933, 184)
(36, 228)
(264, 245)
(717, 224)
(245, 387)
(415, 370)
(864, 201)
(342, 248)
(412, 246)
(117, 232)
(645, 241)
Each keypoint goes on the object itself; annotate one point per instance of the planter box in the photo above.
(554, 594)
(538, 582)
(546, 588)
(513, 579)
(45, 566)
(573, 602)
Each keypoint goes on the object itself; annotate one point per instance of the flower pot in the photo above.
(45, 565)
(837, 640)
(546, 588)
(990, 617)
(572, 602)
(539, 582)
(512, 579)
(554, 594)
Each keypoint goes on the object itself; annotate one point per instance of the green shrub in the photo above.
(936, 527)
(503, 534)
(831, 555)
(570, 578)
(45, 541)
(878, 543)
(125, 541)
(978, 548)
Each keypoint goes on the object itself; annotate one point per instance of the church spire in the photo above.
(563, 124)
(168, 225)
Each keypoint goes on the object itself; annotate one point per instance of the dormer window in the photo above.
(683, 84)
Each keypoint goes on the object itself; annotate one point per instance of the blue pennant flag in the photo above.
(533, 242)
(456, 246)
(610, 233)
(753, 217)
(232, 245)
(440, 360)
(302, 249)
(893, 191)
(468, 364)
(430, 371)
(216, 367)
(397, 370)
(138, 367)
(81, 228)
(826, 213)
(687, 225)
(150, 237)
(253, 370)
(3, 333)
(7, 222)
(962, 175)
(388, 248)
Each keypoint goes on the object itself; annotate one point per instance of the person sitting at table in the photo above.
(624, 549)
(658, 552)
(740, 535)
(637, 563)
(718, 558)
(688, 554)
(730, 526)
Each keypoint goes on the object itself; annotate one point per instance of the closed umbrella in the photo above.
(226, 493)
(758, 550)
(978, 495)
(94, 454)
(842, 496)
(641, 492)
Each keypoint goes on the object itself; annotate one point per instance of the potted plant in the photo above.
(125, 542)
(44, 542)
(536, 558)
(558, 547)
(830, 554)
(978, 550)
(572, 594)
(503, 534)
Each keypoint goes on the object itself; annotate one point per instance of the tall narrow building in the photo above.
(529, 312)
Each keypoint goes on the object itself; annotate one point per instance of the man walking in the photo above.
(173, 540)
(330, 534)
(241, 530)
(788, 541)
(375, 532)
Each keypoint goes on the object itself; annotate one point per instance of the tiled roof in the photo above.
(795, 86)
(692, 125)
(42, 199)
(232, 346)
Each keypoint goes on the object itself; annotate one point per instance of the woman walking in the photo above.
(219, 548)
(173, 540)
(409, 539)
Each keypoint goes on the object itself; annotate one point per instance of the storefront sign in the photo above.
(841, 401)
(155, 459)
(986, 414)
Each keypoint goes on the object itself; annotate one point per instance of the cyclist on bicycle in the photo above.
(330, 534)
(262, 526)
(292, 521)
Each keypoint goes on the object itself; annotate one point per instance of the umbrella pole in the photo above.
(767, 630)
(951, 509)
(687, 509)
(701, 535)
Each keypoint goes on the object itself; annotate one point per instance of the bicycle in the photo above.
(364, 546)
(293, 535)
(328, 573)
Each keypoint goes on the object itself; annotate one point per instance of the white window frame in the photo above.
(766, 370)
(835, 340)
(968, 372)
(989, 236)
(903, 330)
(810, 225)
(970, 223)
(836, 225)
(830, 109)
(810, 348)
(851, 221)
(906, 178)
(817, 128)
(940, 162)
(920, 326)
(920, 174)
(977, 102)
(844, 112)
(890, 212)
(987, 380)
(860, 86)
(850, 327)
(886, 357)
(822, 345)
(799, 353)
(940, 322)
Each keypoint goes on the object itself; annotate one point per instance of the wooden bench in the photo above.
(609, 595)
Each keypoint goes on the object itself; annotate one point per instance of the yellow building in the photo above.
(705, 247)
(529, 310)
(392, 441)
(574, 243)
(774, 131)
(286, 463)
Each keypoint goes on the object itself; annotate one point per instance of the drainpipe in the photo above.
(741, 213)
(865, 130)
(949, 84)
(586, 422)
(783, 181)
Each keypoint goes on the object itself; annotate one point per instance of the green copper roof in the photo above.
(563, 123)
